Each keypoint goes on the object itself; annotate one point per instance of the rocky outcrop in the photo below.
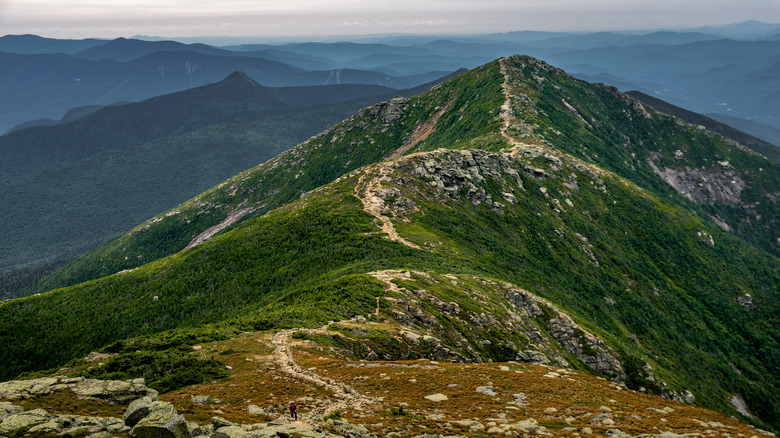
(137, 410)
(391, 111)
(162, 421)
(462, 173)
(712, 186)
(40, 422)
(18, 424)
(551, 336)
(109, 391)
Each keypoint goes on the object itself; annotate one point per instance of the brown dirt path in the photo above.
(349, 397)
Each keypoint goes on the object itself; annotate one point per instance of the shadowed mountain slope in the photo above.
(764, 148)
(69, 187)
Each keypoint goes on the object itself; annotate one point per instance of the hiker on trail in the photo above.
(293, 411)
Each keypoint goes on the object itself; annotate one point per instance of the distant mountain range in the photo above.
(726, 70)
(37, 86)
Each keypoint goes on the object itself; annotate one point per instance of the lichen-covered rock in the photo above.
(533, 357)
(202, 400)
(102, 434)
(110, 391)
(137, 410)
(18, 424)
(255, 410)
(344, 426)
(219, 422)
(8, 408)
(230, 432)
(163, 421)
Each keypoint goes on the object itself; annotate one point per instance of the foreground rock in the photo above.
(38, 421)
(162, 421)
(109, 391)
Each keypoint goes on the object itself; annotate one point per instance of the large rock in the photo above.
(16, 425)
(137, 410)
(202, 400)
(111, 391)
(7, 408)
(162, 422)
(436, 397)
(533, 357)
(230, 432)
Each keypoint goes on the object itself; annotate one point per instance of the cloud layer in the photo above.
(99, 18)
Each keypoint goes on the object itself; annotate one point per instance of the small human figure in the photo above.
(293, 411)
(347, 435)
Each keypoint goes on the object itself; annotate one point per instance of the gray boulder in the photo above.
(219, 422)
(16, 425)
(533, 357)
(137, 410)
(202, 400)
(206, 430)
(255, 410)
(162, 422)
(487, 390)
(7, 408)
(230, 432)
(112, 391)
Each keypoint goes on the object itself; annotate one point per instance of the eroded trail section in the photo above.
(420, 133)
(369, 187)
(371, 194)
(349, 397)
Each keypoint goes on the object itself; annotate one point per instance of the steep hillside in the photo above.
(68, 188)
(764, 148)
(237, 98)
(501, 215)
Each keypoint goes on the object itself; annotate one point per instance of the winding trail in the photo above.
(368, 191)
(373, 204)
(349, 397)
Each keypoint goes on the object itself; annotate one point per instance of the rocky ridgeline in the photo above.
(551, 333)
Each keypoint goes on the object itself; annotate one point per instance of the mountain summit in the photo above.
(510, 214)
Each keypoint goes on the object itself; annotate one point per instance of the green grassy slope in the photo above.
(108, 172)
(631, 259)
(605, 127)
(301, 264)
(362, 139)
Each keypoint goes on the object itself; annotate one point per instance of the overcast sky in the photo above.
(280, 18)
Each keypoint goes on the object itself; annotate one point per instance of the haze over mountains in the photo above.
(729, 70)
(512, 213)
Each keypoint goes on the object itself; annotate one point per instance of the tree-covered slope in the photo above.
(648, 278)
(503, 196)
(71, 187)
(367, 137)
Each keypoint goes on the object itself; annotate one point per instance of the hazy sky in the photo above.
(172, 18)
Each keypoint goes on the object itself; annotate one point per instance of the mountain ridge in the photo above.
(481, 188)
